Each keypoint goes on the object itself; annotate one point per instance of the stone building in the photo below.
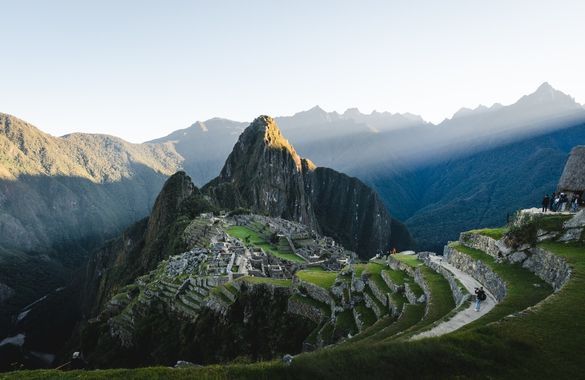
(573, 178)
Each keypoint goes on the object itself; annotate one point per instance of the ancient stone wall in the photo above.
(478, 270)
(477, 241)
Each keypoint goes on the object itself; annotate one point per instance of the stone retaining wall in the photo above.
(483, 243)
(478, 270)
(460, 294)
(373, 305)
(396, 288)
(305, 310)
(551, 268)
(378, 293)
(316, 292)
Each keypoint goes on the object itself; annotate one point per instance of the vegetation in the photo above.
(317, 276)
(494, 233)
(410, 260)
(524, 288)
(254, 238)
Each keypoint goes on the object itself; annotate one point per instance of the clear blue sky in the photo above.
(140, 69)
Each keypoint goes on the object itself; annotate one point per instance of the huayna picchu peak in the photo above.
(266, 175)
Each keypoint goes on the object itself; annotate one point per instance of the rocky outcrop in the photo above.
(478, 270)
(145, 244)
(265, 174)
(352, 213)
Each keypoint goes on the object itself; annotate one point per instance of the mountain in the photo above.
(477, 189)
(143, 245)
(61, 197)
(266, 175)
(204, 146)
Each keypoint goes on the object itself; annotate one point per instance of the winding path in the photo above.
(465, 316)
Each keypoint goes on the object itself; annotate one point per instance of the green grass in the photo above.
(345, 323)
(283, 282)
(544, 342)
(366, 315)
(379, 304)
(520, 286)
(359, 269)
(441, 302)
(397, 276)
(251, 237)
(552, 222)
(317, 277)
(494, 233)
(409, 260)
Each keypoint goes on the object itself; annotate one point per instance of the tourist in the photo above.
(479, 296)
(554, 199)
(545, 203)
(575, 203)
(563, 201)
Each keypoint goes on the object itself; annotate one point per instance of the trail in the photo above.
(465, 316)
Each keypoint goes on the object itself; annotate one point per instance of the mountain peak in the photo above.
(265, 127)
(545, 93)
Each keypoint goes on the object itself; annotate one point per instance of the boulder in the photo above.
(577, 221)
(517, 257)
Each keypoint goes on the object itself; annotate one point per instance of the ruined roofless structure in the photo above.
(573, 177)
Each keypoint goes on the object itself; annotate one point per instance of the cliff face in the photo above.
(265, 174)
(143, 245)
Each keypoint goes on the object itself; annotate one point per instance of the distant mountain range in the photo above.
(60, 197)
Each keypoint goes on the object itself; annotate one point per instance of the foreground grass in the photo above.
(252, 237)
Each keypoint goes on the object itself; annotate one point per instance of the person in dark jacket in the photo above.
(545, 203)
(480, 296)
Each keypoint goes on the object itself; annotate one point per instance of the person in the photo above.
(545, 203)
(557, 202)
(575, 203)
(77, 361)
(479, 296)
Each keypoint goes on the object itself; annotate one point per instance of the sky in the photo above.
(140, 69)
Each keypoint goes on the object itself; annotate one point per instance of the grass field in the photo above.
(318, 277)
(409, 260)
(494, 233)
(252, 237)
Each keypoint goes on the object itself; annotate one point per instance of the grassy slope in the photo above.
(242, 233)
(521, 290)
(544, 342)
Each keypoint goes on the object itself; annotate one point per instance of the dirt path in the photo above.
(465, 316)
